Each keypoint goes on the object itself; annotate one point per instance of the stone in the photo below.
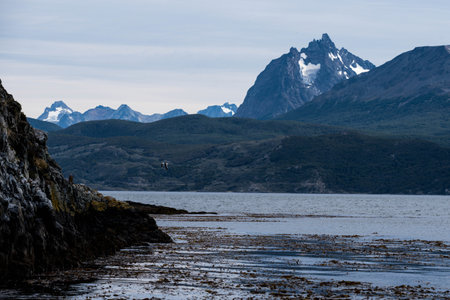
(47, 222)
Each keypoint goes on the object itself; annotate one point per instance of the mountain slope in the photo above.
(296, 77)
(43, 125)
(245, 155)
(195, 129)
(337, 163)
(407, 95)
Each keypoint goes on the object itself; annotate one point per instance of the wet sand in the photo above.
(212, 262)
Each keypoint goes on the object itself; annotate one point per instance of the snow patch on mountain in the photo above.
(54, 115)
(332, 56)
(227, 110)
(357, 68)
(309, 71)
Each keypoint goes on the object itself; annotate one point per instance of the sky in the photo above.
(158, 55)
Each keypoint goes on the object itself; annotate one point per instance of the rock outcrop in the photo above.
(46, 221)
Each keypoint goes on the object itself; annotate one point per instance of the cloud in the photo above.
(161, 54)
(155, 91)
(131, 56)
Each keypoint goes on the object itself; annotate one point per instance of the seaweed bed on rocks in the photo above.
(210, 262)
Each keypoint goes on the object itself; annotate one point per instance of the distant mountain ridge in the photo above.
(56, 114)
(62, 115)
(408, 95)
(298, 76)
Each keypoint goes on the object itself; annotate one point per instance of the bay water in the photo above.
(381, 216)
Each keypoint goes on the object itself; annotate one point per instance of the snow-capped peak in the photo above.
(334, 64)
(59, 103)
(219, 111)
(297, 77)
(55, 112)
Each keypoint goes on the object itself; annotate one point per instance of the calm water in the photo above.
(381, 216)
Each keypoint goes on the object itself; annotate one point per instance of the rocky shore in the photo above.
(46, 221)
(211, 262)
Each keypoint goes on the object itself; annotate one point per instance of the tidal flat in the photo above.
(272, 250)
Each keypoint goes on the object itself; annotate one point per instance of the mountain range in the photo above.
(351, 132)
(298, 76)
(286, 83)
(408, 95)
(63, 116)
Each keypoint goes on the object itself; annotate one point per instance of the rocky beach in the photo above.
(212, 262)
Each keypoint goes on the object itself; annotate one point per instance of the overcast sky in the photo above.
(158, 55)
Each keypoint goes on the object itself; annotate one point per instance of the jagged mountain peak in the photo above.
(326, 37)
(324, 43)
(55, 112)
(59, 103)
(298, 76)
(323, 61)
(124, 112)
(293, 51)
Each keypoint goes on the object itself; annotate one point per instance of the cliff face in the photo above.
(46, 221)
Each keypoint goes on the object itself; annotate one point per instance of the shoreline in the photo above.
(211, 262)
